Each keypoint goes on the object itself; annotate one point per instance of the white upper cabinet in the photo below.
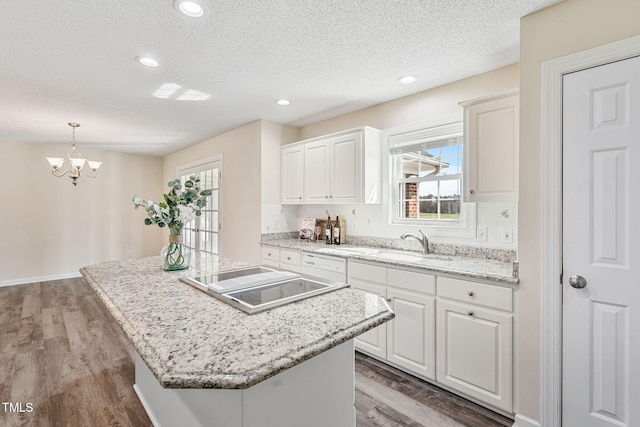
(317, 162)
(341, 168)
(292, 174)
(491, 127)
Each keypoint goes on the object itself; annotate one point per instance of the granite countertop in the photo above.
(497, 270)
(192, 340)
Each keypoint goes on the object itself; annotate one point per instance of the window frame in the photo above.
(409, 135)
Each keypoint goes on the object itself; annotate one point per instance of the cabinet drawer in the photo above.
(412, 281)
(290, 260)
(290, 257)
(476, 293)
(367, 272)
(270, 254)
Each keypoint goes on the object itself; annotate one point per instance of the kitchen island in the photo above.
(202, 362)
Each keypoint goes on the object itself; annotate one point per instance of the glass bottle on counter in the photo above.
(328, 232)
(336, 231)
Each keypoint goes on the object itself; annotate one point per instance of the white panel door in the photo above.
(601, 246)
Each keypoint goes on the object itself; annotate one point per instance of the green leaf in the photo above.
(188, 184)
(147, 221)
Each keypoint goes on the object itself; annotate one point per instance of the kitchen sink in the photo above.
(409, 258)
(346, 251)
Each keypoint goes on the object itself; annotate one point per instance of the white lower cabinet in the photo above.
(460, 337)
(282, 258)
(411, 334)
(374, 341)
(408, 340)
(475, 341)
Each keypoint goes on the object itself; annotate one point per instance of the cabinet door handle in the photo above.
(388, 299)
(470, 293)
(470, 313)
(470, 191)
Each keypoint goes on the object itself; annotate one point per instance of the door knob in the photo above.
(577, 282)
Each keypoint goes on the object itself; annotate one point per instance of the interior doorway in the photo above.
(203, 233)
(601, 296)
(552, 86)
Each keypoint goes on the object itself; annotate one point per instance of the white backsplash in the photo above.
(367, 220)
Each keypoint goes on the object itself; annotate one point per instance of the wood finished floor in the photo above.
(62, 353)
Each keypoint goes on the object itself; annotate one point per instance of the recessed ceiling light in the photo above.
(190, 8)
(407, 80)
(147, 62)
(283, 102)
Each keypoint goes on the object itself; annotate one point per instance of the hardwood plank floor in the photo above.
(386, 396)
(62, 353)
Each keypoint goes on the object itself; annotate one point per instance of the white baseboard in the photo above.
(36, 279)
(522, 421)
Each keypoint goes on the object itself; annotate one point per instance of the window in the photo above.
(426, 174)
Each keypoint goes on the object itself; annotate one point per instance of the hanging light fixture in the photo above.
(76, 160)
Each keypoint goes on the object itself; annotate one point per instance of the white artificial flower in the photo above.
(186, 214)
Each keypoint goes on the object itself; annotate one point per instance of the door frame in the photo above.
(551, 134)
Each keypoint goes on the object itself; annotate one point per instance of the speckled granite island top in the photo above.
(191, 340)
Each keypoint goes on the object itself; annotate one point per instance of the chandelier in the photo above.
(76, 160)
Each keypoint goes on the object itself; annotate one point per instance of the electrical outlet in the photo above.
(507, 235)
(481, 233)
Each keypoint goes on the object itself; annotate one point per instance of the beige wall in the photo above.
(241, 182)
(436, 102)
(273, 136)
(570, 27)
(51, 228)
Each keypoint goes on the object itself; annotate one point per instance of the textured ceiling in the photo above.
(73, 60)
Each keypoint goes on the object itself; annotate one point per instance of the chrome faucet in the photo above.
(424, 240)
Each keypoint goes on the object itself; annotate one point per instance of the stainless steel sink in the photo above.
(346, 251)
(409, 258)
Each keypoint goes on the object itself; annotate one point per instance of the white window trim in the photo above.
(465, 227)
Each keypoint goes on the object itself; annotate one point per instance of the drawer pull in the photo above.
(470, 313)
(288, 258)
(470, 293)
(388, 299)
(269, 254)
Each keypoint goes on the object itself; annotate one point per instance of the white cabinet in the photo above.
(282, 258)
(474, 340)
(340, 168)
(408, 340)
(292, 174)
(372, 279)
(491, 127)
(317, 184)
